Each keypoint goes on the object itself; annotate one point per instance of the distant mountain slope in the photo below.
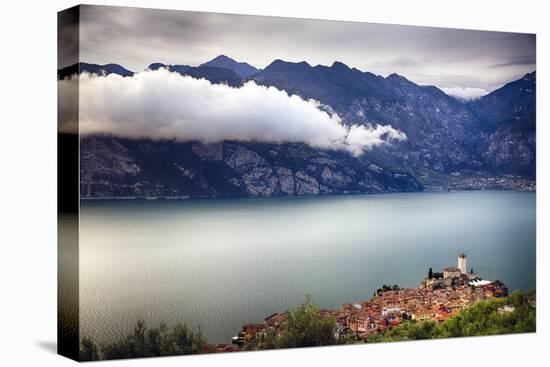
(508, 115)
(335, 85)
(513, 106)
(112, 167)
(93, 69)
(242, 68)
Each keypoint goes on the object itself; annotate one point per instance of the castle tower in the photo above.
(462, 263)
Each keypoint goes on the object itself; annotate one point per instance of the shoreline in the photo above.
(189, 198)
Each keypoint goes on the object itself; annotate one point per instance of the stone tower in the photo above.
(462, 263)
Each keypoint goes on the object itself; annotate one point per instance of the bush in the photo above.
(147, 342)
(304, 327)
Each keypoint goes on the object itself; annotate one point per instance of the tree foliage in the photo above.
(147, 342)
(386, 288)
(304, 327)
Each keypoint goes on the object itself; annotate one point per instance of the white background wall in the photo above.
(28, 182)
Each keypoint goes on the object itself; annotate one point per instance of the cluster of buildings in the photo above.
(439, 297)
(458, 182)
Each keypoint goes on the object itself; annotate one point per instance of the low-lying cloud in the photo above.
(465, 94)
(163, 105)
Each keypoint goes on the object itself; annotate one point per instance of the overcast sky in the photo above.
(449, 58)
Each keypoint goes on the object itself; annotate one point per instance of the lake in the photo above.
(223, 263)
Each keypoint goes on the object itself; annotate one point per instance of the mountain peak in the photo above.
(222, 61)
(278, 62)
(394, 77)
(339, 65)
(282, 64)
(223, 58)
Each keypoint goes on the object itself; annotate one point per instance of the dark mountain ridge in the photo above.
(82, 67)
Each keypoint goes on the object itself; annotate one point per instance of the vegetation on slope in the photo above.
(147, 342)
(305, 327)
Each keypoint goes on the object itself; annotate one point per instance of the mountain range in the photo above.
(488, 143)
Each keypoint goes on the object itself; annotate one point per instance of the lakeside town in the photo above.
(445, 304)
(459, 182)
(440, 296)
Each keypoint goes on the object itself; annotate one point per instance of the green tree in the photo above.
(186, 341)
(304, 327)
(386, 288)
(132, 346)
(153, 342)
(430, 274)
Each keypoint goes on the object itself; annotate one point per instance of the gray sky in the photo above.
(448, 58)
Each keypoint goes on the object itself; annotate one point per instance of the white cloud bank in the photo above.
(465, 94)
(164, 105)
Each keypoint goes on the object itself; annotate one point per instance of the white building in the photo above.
(387, 311)
(479, 282)
(462, 263)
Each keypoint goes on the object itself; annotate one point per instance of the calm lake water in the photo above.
(223, 263)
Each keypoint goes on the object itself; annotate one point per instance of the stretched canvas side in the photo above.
(68, 188)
